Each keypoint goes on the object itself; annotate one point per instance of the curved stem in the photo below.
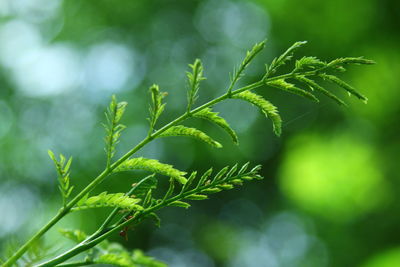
(76, 263)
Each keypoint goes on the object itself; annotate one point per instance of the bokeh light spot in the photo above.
(389, 258)
(335, 177)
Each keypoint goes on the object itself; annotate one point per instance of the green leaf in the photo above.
(145, 261)
(119, 200)
(63, 172)
(117, 255)
(282, 59)
(308, 62)
(250, 55)
(181, 130)
(194, 79)
(208, 114)
(211, 190)
(156, 107)
(122, 259)
(344, 85)
(351, 60)
(265, 106)
(225, 186)
(113, 128)
(314, 86)
(204, 177)
(288, 87)
(196, 197)
(152, 165)
(74, 235)
(180, 204)
(244, 168)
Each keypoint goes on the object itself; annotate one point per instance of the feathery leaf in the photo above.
(119, 200)
(62, 167)
(74, 235)
(113, 128)
(265, 106)
(179, 204)
(351, 60)
(194, 79)
(288, 87)
(250, 55)
(156, 107)
(308, 62)
(344, 85)
(152, 165)
(314, 86)
(282, 59)
(181, 130)
(208, 114)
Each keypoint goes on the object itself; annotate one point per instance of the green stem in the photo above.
(146, 140)
(76, 263)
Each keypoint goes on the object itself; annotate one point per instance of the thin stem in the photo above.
(76, 263)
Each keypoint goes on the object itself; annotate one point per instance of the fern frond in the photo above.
(156, 107)
(314, 86)
(154, 166)
(113, 128)
(123, 258)
(344, 85)
(265, 106)
(225, 179)
(282, 59)
(308, 62)
(75, 235)
(351, 60)
(208, 114)
(250, 55)
(145, 261)
(119, 200)
(288, 87)
(179, 204)
(194, 79)
(181, 130)
(63, 171)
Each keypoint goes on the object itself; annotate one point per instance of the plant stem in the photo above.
(76, 263)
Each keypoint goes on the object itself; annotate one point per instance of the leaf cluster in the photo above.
(62, 167)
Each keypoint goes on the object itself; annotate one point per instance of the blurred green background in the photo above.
(331, 191)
